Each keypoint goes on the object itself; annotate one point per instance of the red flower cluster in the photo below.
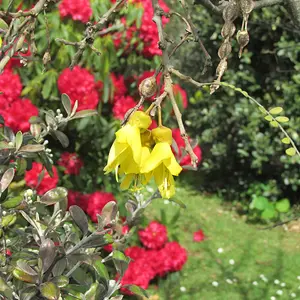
(16, 111)
(159, 258)
(79, 84)
(154, 236)
(71, 162)
(78, 10)
(186, 160)
(92, 204)
(47, 183)
(147, 32)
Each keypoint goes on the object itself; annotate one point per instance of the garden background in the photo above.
(231, 231)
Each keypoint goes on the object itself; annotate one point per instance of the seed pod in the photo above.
(222, 66)
(246, 6)
(46, 58)
(228, 29)
(224, 50)
(148, 87)
(20, 43)
(243, 40)
(230, 12)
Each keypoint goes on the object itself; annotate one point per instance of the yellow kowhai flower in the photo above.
(132, 170)
(127, 146)
(162, 162)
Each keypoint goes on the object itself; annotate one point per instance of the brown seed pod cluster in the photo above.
(232, 10)
(148, 87)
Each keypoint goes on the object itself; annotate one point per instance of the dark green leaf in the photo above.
(136, 290)
(19, 140)
(63, 139)
(101, 269)
(47, 254)
(32, 148)
(79, 218)
(12, 202)
(60, 281)
(28, 293)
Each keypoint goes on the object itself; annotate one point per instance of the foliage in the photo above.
(239, 146)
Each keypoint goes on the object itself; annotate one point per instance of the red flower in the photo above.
(71, 162)
(139, 273)
(79, 84)
(8, 252)
(47, 183)
(122, 105)
(96, 202)
(174, 255)
(119, 86)
(78, 10)
(136, 252)
(18, 113)
(186, 160)
(154, 236)
(10, 87)
(199, 236)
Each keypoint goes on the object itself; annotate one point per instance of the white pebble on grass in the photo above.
(231, 261)
(298, 277)
(220, 250)
(182, 289)
(279, 292)
(254, 283)
(276, 281)
(215, 283)
(273, 298)
(229, 281)
(283, 284)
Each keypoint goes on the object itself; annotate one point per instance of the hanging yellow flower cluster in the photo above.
(138, 154)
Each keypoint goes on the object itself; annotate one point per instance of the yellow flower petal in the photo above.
(173, 166)
(127, 181)
(117, 154)
(164, 181)
(160, 152)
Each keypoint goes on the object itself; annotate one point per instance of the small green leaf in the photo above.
(79, 218)
(268, 118)
(93, 292)
(23, 276)
(55, 195)
(85, 113)
(47, 254)
(63, 139)
(286, 140)
(12, 202)
(290, 151)
(32, 148)
(65, 99)
(274, 124)
(6, 179)
(283, 205)
(101, 269)
(282, 119)
(259, 203)
(50, 291)
(60, 281)
(8, 220)
(276, 110)
(136, 290)
(19, 140)
(3, 24)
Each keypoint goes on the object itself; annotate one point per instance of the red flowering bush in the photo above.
(77, 198)
(186, 159)
(78, 10)
(154, 236)
(161, 256)
(119, 86)
(71, 162)
(122, 105)
(47, 183)
(79, 84)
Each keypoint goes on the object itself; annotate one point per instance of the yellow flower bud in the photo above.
(162, 134)
(140, 119)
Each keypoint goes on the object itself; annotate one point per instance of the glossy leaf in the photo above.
(6, 179)
(23, 276)
(93, 292)
(286, 140)
(276, 110)
(61, 281)
(290, 151)
(12, 202)
(101, 269)
(19, 140)
(282, 119)
(8, 220)
(85, 113)
(109, 212)
(55, 195)
(50, 291)
(274, 124)
(47, 253)
(32, 148)
(79, 218)
(65, 99)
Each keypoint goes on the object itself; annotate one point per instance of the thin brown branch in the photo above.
(90, 34)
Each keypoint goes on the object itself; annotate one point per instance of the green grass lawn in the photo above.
(273, 253)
